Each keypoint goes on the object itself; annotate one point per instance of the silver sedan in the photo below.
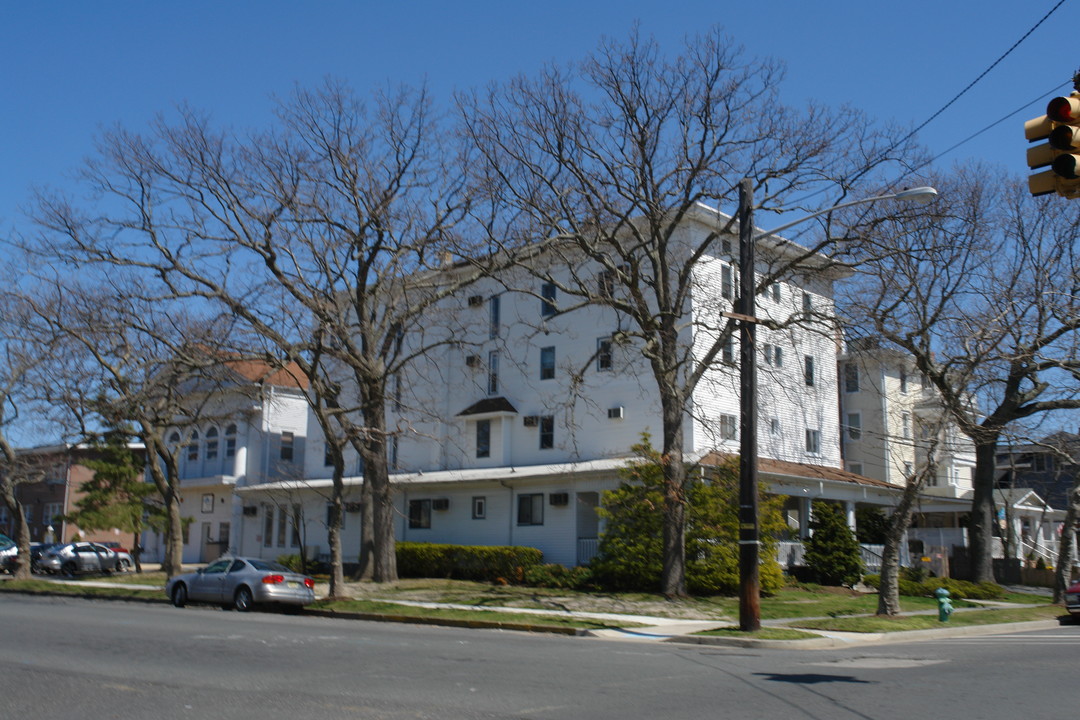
(241, 583)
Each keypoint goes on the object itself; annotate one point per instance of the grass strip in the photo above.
(374, 607)
(883, 624)
(44, 587)
(765, 633)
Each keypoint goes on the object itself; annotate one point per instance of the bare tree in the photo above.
(594, 169)
(984, 293)
(341, 220)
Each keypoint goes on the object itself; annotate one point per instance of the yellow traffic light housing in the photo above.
(1060, 127)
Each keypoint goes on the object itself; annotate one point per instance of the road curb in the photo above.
(448, 622)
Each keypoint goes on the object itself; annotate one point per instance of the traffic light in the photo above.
(1060, 127)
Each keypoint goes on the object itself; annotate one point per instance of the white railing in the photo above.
(587, 549)
(790, 554)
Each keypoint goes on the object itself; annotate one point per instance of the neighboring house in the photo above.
(510, 433)
(251, 432)
(1050, 467)
(56, 495)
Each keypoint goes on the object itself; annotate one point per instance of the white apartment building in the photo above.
(509, 434)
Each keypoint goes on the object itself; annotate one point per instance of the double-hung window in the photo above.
(547, 300)
(530, 510)
(547, 363)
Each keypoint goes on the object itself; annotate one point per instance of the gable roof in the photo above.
(259, 371)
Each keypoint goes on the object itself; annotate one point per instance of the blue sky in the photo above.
(71, 68)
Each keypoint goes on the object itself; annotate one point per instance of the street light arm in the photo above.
(918, 195)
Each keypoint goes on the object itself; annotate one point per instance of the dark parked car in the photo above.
(80, 557)
(1072, 599)
(8, 552)
(242, 583)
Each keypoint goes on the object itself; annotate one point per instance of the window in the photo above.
(547, 300)
(268, 525)
(547, 432)
(530, 509)
(193, 447)
(212, 443)
(808, 370)
(727, 351)
(727, 282)
(905, 424)
(774, 290)
(854, 426)
(296, 525)
(772, 355)
(493, 372)
(479, 508)
(903, 380)
(807, 302)
(851, 378)
(483, 438)
(774, 427)
(605, 283)
(855, 468)
(52, 511)
(729, 427)
(547, 363)
(327, 455)
(287, 440)
(330, 513)
(282, 524)
(493, 316)
(603, 354)
(909, 470)
(419, 514)
(28, 513)
(394, 451)
(230, 441)
(813, 441)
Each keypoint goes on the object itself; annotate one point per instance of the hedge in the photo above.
(499, 563)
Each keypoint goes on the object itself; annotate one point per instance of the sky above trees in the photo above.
(73, 68)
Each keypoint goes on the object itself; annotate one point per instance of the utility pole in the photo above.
(749, 545)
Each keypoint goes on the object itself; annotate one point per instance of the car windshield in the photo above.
(6, 542)
(267, 565)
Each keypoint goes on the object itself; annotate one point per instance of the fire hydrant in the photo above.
(944, 606)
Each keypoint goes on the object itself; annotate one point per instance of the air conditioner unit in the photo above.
(250, 510)
(472, 361)
(559, 499)
(615, 413)
(354, 507)
(440, 504)
(531, 420)
(476, 300)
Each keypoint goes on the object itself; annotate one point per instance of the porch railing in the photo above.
(587, 549)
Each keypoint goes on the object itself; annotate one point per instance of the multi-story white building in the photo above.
(510, 433)
(251, 431)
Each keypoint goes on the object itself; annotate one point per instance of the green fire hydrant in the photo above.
(944, 606)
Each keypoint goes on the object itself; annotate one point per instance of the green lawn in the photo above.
(44, 586)
(927, 622)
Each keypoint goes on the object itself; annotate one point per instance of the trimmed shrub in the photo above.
(832, 552)
(631, 549)
(466, 562)
(553, 575)
(958, 589)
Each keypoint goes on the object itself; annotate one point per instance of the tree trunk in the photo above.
(673, 577)
(21, 567)
(333, 536)
(898, 523)
(980, 533)
(1066, 545)
(366, 571)
(173, 561)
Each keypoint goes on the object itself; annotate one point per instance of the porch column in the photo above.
(806, 516)
(849, 512)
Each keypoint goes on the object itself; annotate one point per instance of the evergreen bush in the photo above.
(832, 552)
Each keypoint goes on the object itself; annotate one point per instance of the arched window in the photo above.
(211, 443)
(193, 447)
(174, 440)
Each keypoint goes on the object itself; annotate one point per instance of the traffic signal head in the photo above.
(1060, 127)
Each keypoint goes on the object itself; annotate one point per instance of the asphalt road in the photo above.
(89, 660)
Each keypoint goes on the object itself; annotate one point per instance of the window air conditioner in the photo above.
(440, 504)
(472, 361)
(558, 499)
(476, 300)
(615, 413)
(531, 420)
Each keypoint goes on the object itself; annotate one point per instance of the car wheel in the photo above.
(68, 569)
(243, 601)
(179, 595)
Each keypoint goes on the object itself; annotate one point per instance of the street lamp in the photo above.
(749, 543)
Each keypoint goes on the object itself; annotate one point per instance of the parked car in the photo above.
(1072, 599)
(8, 552)
(241, 583)
(38, 551)
(122, 555)
(80, 557)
